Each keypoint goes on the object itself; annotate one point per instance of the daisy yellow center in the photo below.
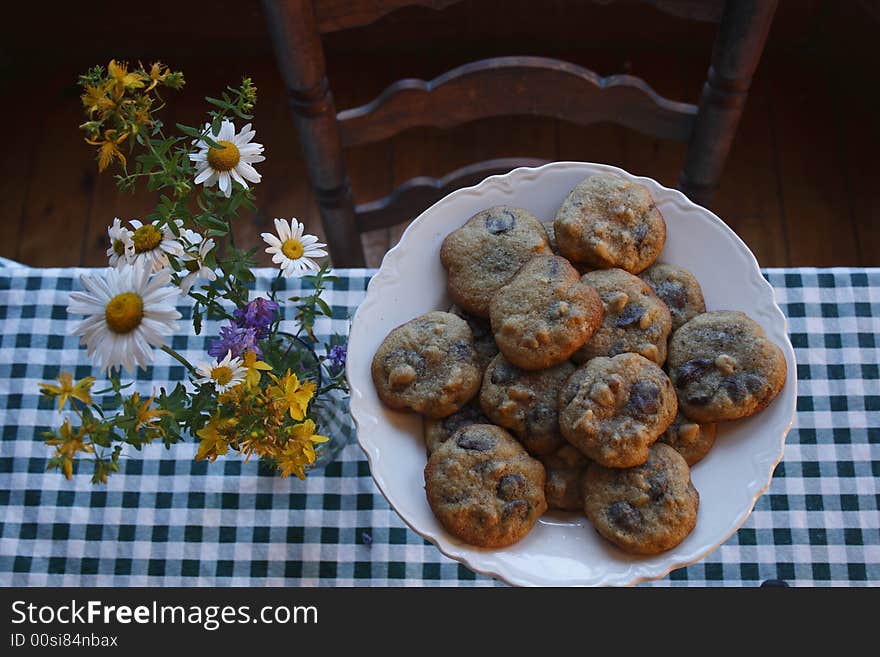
(118, 247)
(124, 312)
(293, 249)
(222, 375)
(146, 238)
(224, 159)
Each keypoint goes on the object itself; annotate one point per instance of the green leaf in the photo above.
(324, 307)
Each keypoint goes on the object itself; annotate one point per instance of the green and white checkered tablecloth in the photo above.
(167, 520)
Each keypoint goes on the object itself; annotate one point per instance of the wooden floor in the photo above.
(800, 186)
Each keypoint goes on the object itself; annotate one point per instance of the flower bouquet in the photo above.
(259, 391)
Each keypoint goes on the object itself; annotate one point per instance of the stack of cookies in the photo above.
(572, 373)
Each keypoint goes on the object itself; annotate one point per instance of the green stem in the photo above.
(183, 361)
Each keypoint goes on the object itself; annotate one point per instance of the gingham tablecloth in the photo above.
(166, 520)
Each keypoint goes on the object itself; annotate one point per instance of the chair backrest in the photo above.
(496, 87)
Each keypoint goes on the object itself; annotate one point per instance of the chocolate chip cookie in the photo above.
(724, 367)
(679, 290)
(690, 439)
(440, 430)
(544, 314)
(647, 509)
(428, 365)
(525, 401)
(635, 319)
(607, 221)
(565, 468)
(613, 409)
(487, 251)
(484, 341)
(484, 488)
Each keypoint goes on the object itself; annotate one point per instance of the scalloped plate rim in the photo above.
(637, 572)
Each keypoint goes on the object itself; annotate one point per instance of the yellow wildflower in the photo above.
(300, 449)
(147, 415)
(158, 73)
(68, 389)
(296, 395)
(109, 148)
(213, 444)
(68, 444)
(122, 79)
(253, 366)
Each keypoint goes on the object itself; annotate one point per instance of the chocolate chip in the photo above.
(639, 232)
(691, 371)
(658, 485)
(502, 222)
(735, 388)
(753, 382)
(625, 515)
(511, 487)
(462, 350)
(398, 357)
(644, 397)
(502, 374)
(463, 418)
(698, 400)
(475, 441)
(673, 294)
(542, 417)
(516, 509)
(630, 314)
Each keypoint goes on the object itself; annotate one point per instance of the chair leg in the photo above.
(737, 51)
(300, 57)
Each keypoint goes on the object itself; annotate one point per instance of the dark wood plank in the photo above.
(813, 187)
(335, 15)
(503, 86)
(16, 168)
(300, 56)
(738, 47)
(62, 180)
(747, 199)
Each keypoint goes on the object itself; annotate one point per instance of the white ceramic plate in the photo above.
(564, 549)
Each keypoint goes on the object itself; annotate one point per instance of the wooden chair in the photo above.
(580, 96)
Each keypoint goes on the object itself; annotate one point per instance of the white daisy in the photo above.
(120, 238)
(152, 245)
(193, 260)
(232, 162)
(291, 250)
(129, 312)
(223, 374)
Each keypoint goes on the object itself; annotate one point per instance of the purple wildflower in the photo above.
(259, 315)
(337, 355)
(236, 339)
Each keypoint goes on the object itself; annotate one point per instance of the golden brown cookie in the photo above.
(635, 319)
(544, 314)
(647, 509)
(613, 409)
(525, 401)
(724, 367)
(607, 221)
(693, 441)
(487, 251)
(428, 365)
(484, 488)
(678, 289)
